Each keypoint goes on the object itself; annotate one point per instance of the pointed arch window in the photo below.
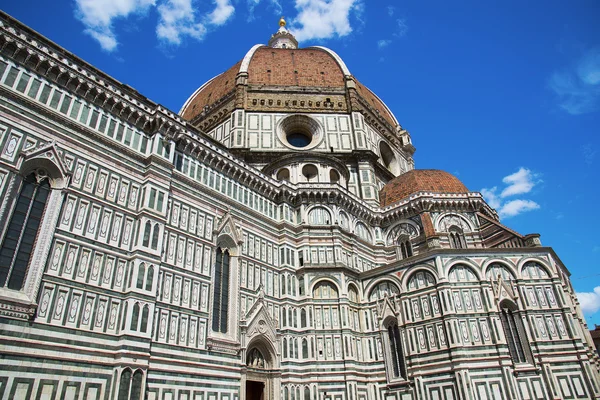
(457, 238)
(405, 247)
(514, 331)
(221, 291)
(395, 352)
(130, 385)
(22, 230)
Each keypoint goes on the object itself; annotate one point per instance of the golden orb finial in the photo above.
(282, 22)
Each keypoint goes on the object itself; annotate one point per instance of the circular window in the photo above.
(310, 172)
(299, 132)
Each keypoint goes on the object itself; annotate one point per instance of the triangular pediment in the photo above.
(387, 308)
(259, 322)
(227, 226)
(504, 291)
(46, 151)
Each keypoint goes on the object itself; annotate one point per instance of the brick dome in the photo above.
(311, 69)
(420, 180)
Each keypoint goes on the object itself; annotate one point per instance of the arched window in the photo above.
(283, 174)
(147, 232)
(155, 236)
(124, 384)
(396, 356)
(221, 292)
(285, 348)
(144, 325)
(325, 290)
(516, 338)
(150, 279)
(304, 349)
(457, 238)
(130, 388)
(363, 232)
(319, 216)
(306, 393)
(405, 247)
(135, 316)
(303, 318)
(353, 294)
(382, 289)
(22, 230)
(344, 221)
(286, 394)
(136, 385)
(334, 176)
(141, 276)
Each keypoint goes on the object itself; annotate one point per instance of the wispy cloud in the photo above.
(401, 27)
(178, 18)
(383, 43)
(275, 5)
(400, 31)
(518, 183)
(390, 10)
(578, 87)
(98, 17)
(589, 153)
(324, 19)
(589, 301)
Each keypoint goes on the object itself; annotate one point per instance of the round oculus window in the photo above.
(299, 132)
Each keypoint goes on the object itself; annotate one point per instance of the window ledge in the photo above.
(526, 369)
(399, 383)
(16, 304)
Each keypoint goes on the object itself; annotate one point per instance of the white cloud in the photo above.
(177, 19)
(589, 301)
(98, 16)
(516, 207)
(491, 197)
(383, 43)
(521, 182)
(390, 10)
(222, 12)
(578, 88)
(324, 19)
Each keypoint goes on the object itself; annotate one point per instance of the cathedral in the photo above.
(271, 241)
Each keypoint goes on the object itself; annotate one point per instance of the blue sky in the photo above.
(505, 95)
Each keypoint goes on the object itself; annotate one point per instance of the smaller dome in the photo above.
(420, 180)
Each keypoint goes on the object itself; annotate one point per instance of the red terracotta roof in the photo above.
(310, 67)
(420, 180)
(295, 67)
(213, 91)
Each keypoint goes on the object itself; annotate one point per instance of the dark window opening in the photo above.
(23, 227)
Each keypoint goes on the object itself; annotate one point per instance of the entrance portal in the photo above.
(255, 390)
